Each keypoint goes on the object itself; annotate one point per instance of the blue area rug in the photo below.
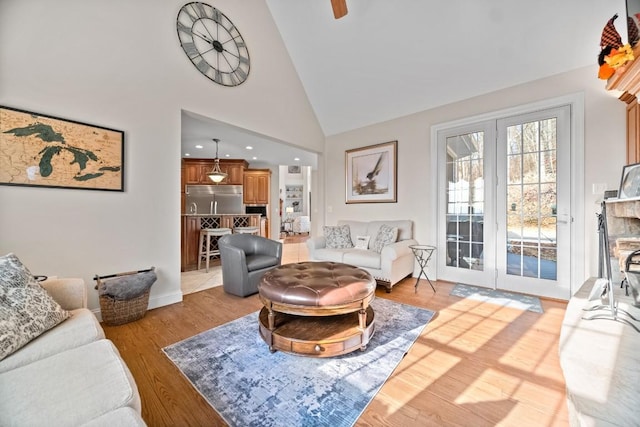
(234, 370)
(502, 298)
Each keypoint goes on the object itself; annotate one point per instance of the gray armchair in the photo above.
(245, 258)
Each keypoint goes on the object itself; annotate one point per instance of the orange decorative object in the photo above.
(605, 71)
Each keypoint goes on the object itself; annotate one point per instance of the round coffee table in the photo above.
(318, 309)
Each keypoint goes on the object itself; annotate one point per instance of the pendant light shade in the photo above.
(216, 175)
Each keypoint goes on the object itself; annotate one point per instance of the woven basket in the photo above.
(118, 312)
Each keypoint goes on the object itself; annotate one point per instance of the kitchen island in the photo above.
(193, 223)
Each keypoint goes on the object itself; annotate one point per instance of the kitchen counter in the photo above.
(193, 223)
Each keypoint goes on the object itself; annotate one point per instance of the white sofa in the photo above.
(70, 375)
(392, 264)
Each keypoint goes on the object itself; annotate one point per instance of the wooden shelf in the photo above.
(627, 78)
(627, 81)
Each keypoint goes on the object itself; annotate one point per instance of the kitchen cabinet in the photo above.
(190, 238)
(234, 170)
(196, 171)
(256, 186)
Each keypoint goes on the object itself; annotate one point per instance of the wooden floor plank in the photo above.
(474, 364)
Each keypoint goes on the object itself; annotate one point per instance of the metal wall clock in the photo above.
(213, 44)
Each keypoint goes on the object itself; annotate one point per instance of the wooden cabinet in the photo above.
(196, 171)
(234, 170)
(190, 237)
(256, 186)
(264, 227)
(633, 131)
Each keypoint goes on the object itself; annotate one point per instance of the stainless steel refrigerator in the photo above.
(214, 199)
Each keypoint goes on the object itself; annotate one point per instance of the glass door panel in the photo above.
(504, 203)
(464, 213)
(528, 255)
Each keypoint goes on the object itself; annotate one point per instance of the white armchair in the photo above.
(301, 224)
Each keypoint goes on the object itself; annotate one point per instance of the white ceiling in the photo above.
(200, 130)
(387, 59)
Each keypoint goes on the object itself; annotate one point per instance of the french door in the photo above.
(505, 204)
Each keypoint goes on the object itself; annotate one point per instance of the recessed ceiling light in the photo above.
(297, 159)
(254, 158)
(227, 155)
(199, 146)
(187, 154)
(248, 147)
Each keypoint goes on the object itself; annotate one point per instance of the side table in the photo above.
(423, 254)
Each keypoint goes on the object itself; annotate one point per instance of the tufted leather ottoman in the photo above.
(318, 309)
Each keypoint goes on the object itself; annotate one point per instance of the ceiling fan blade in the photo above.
(339, 8)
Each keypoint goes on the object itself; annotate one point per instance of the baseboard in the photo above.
(154, 302)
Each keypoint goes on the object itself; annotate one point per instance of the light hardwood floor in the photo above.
(475, 364)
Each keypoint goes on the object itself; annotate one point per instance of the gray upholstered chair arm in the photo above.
(269, 247)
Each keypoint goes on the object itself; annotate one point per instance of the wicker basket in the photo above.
(118, 312)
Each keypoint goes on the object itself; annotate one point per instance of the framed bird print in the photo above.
(372, 173)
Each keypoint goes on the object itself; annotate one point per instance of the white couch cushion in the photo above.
(81, 328)
(362, 258)
(69, 388)
(120, 417)
(326, 254)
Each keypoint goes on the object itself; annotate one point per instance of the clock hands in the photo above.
(203, 37)
(217, 45)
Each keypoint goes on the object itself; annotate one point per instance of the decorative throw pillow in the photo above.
(26, 309)
(386, 235)
(362, 242)
(338, 237)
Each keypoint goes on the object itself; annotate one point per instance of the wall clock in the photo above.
(213, 44)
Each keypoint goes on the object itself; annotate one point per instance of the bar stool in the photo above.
(205, 244)
(246, 230)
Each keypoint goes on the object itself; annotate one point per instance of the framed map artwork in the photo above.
(45, 151)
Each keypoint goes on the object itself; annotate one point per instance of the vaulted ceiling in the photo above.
(389, 58)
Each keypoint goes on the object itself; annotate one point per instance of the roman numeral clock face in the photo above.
(213, 44)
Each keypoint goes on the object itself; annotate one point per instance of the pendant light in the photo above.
(216, 175)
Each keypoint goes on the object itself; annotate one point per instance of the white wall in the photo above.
(119, 64)
(604, 139)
